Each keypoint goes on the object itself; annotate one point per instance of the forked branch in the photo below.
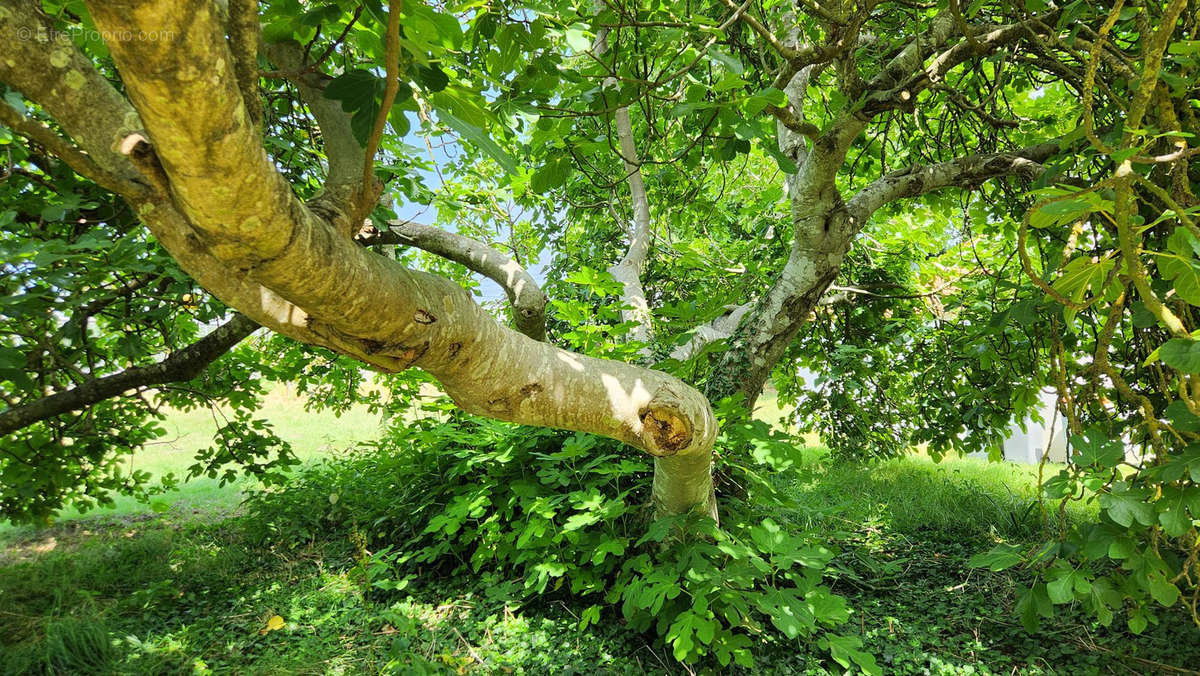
(526, 298)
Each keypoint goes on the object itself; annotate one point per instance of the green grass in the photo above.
(312, 434)
(175, 596)
(969, 495)
(198, 598)
(171, 594)
(129, 591)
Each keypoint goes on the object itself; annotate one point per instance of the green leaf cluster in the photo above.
(534, 512)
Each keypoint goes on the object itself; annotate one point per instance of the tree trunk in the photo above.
(628, 270)
(822, 232)
(188, 158)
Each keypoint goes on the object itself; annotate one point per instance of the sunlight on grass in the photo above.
(312, 434)
(908, 491)
(769, 410)
(915, 491)
(912, 492)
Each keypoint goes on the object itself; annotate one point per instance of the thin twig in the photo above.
(392, 71)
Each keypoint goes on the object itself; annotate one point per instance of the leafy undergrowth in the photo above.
(172, 594)
(922, 609)
(156, 597)
(162, 598)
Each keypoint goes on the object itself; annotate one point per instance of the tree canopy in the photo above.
(940, 209)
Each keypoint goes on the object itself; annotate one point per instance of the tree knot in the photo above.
(665, 430)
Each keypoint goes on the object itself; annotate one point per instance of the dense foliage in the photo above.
(1121, 291)
(85, 292)
(983, 279)
(530, 512)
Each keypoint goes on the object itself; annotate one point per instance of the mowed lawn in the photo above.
(311, 433)
(124, 590)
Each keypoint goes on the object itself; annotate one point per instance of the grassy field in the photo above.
(914, 492)
(129, 591)
(312, 434)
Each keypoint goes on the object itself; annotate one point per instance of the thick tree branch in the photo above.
(796, 132)
(719, 328)
(824, 230)
(78, 160)
(344, 153)
(907, 75)
(220, 175)
(245, 34)
(526, 298)
(911, 58)
(51, 71)
(793, 121)
(628, 270)
(963, 172)
(340, 201)
(818, 244)
(318, 285)
(47, 67)
(44, 65)
(183, 365)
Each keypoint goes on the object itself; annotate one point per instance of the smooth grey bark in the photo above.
(341, 200)
(524, 295)
(719, 328)
(824, 224)
(338, 199)
(628, 270)
(827, 229)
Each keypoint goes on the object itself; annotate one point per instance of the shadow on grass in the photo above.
(907, 529)
(176, 595)
(153, 597)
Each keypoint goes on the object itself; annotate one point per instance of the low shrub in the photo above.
(538, 512)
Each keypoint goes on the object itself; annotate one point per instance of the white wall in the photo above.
(1027, 445)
